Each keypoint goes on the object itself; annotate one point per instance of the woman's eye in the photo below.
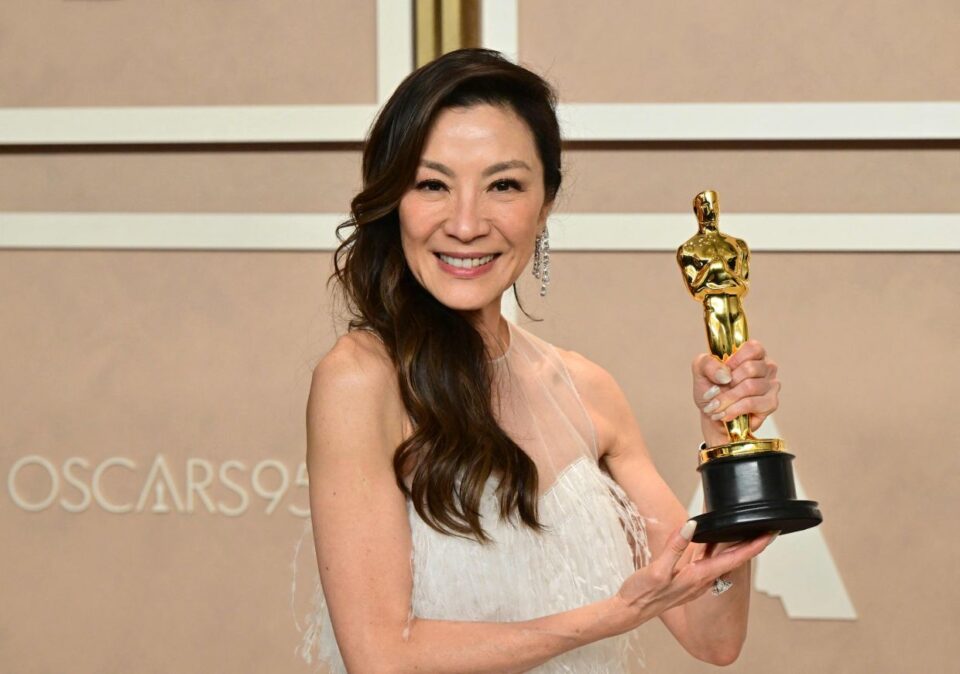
(430, 185)
(506, 184)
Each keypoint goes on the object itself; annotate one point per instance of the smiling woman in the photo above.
(461, 516)
(473, 215)
(463, 162)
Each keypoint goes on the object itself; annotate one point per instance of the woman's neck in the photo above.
(493, 327)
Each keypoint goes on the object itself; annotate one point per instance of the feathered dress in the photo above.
(595, 537)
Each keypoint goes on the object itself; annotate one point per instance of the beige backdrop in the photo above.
(198, 363)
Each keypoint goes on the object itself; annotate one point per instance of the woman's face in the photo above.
(478, 195)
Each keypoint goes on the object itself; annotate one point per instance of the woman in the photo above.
(476, 493)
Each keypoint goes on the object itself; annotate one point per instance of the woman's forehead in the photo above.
(481, 132)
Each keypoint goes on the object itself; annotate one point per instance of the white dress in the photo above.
(595, 536)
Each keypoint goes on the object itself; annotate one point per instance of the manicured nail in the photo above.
(723, 376)
(709, 407)
(718, 416)
(711, 392)
(687, 531)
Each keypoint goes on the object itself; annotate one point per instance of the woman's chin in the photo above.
(466, 306)
(465, 302)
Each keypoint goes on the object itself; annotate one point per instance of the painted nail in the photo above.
(718, 416)
(687, 531)
(711, 392)
(723, 376)
(709, 407)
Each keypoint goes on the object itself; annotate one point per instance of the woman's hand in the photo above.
(661, 585)
(745, 384)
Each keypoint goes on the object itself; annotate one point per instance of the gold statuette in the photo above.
(747, 482)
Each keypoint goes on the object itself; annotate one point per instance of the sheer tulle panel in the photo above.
(537, 404)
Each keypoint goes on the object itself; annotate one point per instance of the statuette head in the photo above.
(706, 205)
(713, 263)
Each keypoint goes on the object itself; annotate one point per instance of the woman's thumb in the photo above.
(678, 544)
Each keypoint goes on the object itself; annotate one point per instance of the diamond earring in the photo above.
(541, 260)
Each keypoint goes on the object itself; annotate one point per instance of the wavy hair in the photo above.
(444, 377)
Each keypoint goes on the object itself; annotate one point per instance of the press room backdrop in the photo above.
(163, 299)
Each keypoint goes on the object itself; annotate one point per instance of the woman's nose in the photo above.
(467, 222)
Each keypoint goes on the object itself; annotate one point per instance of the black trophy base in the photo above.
(747, 496)
(755, 519)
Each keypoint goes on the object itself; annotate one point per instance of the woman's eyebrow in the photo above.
(437, 166)
(504, 165)
(490, 170)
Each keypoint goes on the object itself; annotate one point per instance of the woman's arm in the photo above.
(709, 627)
(363, 543)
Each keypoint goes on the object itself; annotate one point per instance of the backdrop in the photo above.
(170, 175)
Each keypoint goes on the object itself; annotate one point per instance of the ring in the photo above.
(721, 585)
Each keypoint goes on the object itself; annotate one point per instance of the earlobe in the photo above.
(542, 220)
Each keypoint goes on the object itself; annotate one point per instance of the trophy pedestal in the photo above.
(746, 495)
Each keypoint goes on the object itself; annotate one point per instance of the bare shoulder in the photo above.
(591, 379)
(359, 352)
(356, 382)
(601, 395)
(356, 366)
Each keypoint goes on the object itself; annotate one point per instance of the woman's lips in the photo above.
(466, 272)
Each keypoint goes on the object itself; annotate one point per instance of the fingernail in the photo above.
(723, 376)
(687, 531)
(718, 416)
(711, 392)
(709, 407)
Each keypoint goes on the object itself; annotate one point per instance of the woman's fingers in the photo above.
(730, 557)
(749, 350)
(714, 549)
(747, 373)
(709, 371)
(758, 405)
(747, 550)
(753, 369)
(660, 585)
(652, 585)
(756, 391)
(676, 546)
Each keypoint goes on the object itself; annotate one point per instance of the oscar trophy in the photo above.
(748, 486)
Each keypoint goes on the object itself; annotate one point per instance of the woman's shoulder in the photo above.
(357, 377)
(360, 353)
(599, 392)
(588, 376)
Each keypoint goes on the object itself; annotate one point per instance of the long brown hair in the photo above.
(440, 358)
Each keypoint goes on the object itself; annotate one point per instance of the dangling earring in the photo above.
(541, 260)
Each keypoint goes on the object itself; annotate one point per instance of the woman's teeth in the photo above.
(466, 263)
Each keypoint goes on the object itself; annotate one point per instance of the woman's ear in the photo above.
(545, 211)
